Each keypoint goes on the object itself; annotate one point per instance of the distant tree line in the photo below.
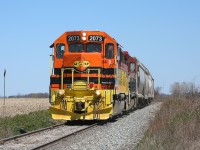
(158, 95)
(31, 95)
(185, 89)
(179, 90)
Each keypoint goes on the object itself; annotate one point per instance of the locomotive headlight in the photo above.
(84, 34)
(98, 92)
(61, 92)
(84, 38)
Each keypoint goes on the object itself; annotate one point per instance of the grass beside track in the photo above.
(175, 126)
(10, 126)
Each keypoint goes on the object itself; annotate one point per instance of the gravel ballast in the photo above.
(32, 141)
(124, 133)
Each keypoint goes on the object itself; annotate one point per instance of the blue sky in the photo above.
(163, 34)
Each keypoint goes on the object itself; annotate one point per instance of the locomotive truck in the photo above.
(93, 78)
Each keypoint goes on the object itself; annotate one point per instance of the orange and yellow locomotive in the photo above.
(91, 78)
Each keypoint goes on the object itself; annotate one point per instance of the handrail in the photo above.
(88, 77)
(72, 78)
(51, 65)
(62, 72)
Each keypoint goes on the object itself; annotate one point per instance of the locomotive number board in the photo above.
(73, 38)
(95, 38)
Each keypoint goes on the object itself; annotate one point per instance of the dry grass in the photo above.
(24, 113)
(14, 106)
(10, 126)
(176, 126)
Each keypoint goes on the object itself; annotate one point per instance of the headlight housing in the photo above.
(84, 34)
(61, 92)
(84, 38)
(97, 92)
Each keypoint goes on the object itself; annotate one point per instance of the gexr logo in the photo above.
(81, 64)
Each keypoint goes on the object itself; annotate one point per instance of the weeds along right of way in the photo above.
(175, 126)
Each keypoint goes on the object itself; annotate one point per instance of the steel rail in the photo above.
(29, 133)
(68, 136)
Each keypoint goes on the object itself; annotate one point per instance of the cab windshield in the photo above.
(90, 48)
(76, 47)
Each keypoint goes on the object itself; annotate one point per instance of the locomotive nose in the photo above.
(79, 106)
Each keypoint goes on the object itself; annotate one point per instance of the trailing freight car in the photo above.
(141, 83)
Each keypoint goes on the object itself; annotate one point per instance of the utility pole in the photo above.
(4, 87)
(4, 101)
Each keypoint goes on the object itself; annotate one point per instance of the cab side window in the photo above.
(118, 53)
(122, 57)
(132, 67)
(109, 50)
(60, 50)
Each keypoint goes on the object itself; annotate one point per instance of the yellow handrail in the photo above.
(62, 72)
(88, 77)
(72, 78)
(51, 65)
(99, 71)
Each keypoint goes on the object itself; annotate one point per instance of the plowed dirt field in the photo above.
(14, 106)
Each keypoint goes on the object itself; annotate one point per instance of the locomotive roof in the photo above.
(82, 31)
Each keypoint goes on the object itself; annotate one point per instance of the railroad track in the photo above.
(43, 137)
(3, 141)
(51, 144)
(48, 145)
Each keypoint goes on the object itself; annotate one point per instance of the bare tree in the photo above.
(175, 89)
(184, 89)
(157, 93)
